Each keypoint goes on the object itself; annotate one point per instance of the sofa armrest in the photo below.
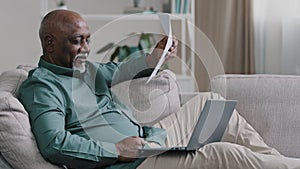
(270, 103)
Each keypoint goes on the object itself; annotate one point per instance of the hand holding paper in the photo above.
(166, 24)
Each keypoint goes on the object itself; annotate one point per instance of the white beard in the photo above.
(79, 62)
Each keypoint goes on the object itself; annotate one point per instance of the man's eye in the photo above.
(76, 41)
(79, 41)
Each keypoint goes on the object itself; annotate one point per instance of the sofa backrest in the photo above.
(270, 103)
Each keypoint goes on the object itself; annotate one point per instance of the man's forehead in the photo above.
(76, 28)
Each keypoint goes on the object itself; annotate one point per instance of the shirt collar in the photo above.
(55, 68)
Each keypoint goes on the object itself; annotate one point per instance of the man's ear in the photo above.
(49, 43)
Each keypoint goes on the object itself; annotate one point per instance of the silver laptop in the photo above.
(210, 127)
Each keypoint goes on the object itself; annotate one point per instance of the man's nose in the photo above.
(85, 48)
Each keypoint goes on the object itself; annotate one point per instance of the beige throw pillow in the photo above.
(11, 80)
(150, 102)
(17, 144)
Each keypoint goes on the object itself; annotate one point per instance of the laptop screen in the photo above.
(212, 122)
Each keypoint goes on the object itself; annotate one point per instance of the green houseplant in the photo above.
(122, 53)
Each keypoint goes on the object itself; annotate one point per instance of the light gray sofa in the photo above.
(268, 102)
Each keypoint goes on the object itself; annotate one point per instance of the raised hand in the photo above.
(154, 57)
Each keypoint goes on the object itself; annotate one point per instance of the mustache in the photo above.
(80, 55)
(84, 55)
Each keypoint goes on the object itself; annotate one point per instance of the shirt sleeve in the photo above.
(117, 72)
(47, 116)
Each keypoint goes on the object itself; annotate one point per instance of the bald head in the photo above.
(58, 21)
(64, 34)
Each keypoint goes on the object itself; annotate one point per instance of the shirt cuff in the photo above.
(109, 154)
(109, 150)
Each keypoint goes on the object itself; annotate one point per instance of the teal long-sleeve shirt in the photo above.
(74, 116)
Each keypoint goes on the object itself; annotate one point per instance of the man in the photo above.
(78, 123)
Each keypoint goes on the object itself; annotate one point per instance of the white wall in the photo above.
(19, 38)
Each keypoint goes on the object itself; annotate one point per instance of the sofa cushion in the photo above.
(18, 145)
(270, 103)
(11, 80)
(150, 102)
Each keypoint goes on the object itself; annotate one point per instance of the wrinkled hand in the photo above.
(128, 148)
(154, 57)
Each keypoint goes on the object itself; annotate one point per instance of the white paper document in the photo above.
(166, 24)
